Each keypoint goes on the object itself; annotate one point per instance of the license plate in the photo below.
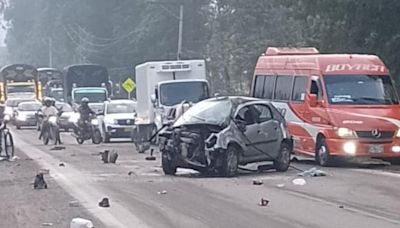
(374, 149)
(127, 129)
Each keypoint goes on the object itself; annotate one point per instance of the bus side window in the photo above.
(316, 89)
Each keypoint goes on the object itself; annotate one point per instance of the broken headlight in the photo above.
(211, 141)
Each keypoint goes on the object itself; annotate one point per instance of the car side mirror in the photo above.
(241, 124)
(153, 99)
(313, 100)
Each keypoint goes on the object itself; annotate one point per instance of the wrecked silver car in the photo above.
(219, 134)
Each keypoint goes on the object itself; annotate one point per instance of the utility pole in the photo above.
(179, 18)
(50, 52)
(180, 31)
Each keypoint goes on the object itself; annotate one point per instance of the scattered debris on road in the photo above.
(47, 224)
(39, 182)
(61, 164)
(58, 148)
(299, 181)
(44, 171)
(163, 192)
(257, 182)
(74, 203)
(313, 172)
(81, 223)
(263, 202)
(130, 173)
(104, 156)
(341, 206)
(105, 202)
(280, 185)
(113, 157)
(151, 157)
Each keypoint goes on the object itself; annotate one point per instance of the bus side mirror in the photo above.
(313, 100)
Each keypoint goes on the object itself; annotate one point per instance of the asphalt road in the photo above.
(349, 196)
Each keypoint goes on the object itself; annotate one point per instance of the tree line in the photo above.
(229, 34)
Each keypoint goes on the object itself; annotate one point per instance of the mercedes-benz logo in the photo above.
(376, 133)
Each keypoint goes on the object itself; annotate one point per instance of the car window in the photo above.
(263, 113)
(316, 88)
(246, 114)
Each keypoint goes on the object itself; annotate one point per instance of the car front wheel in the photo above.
(168, 165)
(230, 162)
(322, 155)
(282, 162)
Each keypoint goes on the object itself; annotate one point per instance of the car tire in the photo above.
(79, 140)
(168, 164)
(230, 162)
(282, 162)
(96, 139)
(322, 154)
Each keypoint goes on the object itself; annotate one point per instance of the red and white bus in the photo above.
(335, 104)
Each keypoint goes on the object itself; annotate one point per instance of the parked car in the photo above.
(219, 134)
(117, 120)
(25, 114)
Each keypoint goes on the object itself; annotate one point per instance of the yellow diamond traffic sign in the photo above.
(129, 85)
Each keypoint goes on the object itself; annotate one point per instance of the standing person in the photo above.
(47, 111)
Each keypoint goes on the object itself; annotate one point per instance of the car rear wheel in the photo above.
(282, 162)
(168, 164)
(230, 162)
(322, 155)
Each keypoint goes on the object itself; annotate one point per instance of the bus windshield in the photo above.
(360, 89)
(20, 89)
(174, 93)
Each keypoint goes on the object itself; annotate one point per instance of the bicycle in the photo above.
(6, 142)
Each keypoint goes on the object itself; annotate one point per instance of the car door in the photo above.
(250, 133)
(268, 131)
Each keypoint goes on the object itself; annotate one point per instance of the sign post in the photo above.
(129, 85)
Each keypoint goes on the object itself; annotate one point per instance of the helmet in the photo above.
(47, 101)
(85, 101)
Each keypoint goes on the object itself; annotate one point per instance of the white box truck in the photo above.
(160, 88)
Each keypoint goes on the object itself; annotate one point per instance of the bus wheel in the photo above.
(322, 156)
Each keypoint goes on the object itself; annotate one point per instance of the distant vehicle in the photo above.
(90, 80)
(25, 114)
(11, 106)
(335, 104)
(20, 80)
(219, 134)
(160, 88)
(118, 119)
(52, 81)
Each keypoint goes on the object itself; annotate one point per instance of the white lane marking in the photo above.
(78, 185)
(377, 172)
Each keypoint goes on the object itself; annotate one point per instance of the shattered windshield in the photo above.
(360, 89)
(209, 111)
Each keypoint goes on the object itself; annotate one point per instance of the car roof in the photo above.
(236, 99)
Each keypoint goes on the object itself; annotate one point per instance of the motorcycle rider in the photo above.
(47, 111)
(85, 113)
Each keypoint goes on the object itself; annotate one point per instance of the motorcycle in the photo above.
(51, 131)
(91, 131)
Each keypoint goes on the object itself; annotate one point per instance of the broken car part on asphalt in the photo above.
(39, 182)
(263, 202)
(257, 182)
(105, 202)
(313, 172)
